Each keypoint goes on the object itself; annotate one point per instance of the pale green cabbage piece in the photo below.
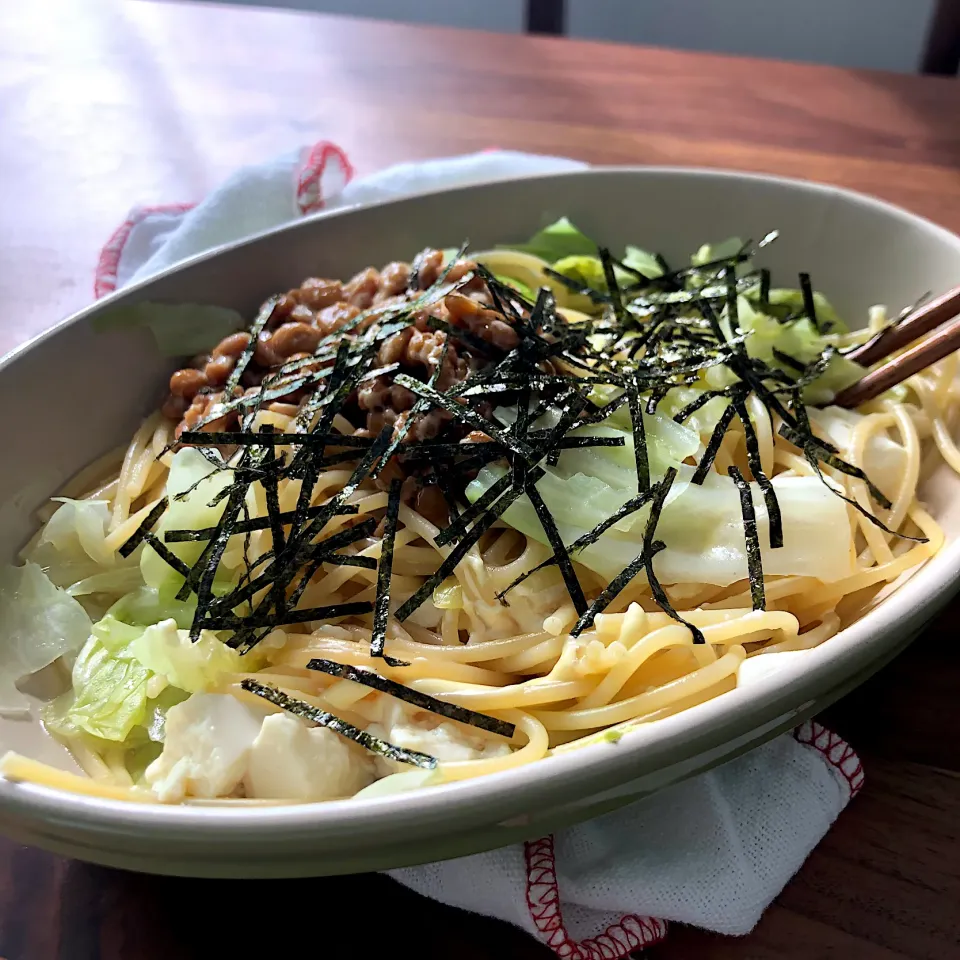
(668, 444)
(41, 623)
(520, 287)
(122, 664)
(109, 696)
(72, 545)
(702, 525)
(798, 339)
(145, 606)
(190, 473)
(191, 666)
(560, 239)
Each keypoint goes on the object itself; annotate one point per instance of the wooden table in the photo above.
(104, 105)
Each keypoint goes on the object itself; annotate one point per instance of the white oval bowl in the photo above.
(82, 392)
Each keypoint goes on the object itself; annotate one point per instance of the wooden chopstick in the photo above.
(898, 335)
(928, 351)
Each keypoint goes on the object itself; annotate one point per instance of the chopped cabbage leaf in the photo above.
(109, 691)
(798, 339)
(145, 606)
(701, 525)
(560, 239)
(668, 444)
(711, 252)
(80, 524)
(72, 546)
(519, 286)
(588, 272)
(40, 624)
(193, 475)
(789, 302)
(194, 667)
(122, 579)
(144, 740)
(180, 330)
(128, 675)
(700, 422)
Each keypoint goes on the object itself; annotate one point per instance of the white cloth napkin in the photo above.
(712, 851)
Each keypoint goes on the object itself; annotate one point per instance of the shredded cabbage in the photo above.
(40, 624)
(128, 675)
(199, 482)
(520, 287)
(560, 239)
(702, 526)
(191, 666)
(109, 696)
(72, 546)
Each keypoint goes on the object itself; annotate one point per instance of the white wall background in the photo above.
(882, 34)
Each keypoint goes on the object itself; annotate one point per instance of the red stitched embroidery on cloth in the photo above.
(324, 160)
(543, 901)
(105, 277)
(633, 932)
(325, 171)
(838, 752)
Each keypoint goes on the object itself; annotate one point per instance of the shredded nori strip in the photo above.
(764, 296)
(611, 592)
(452, 560)
(589, 538)
(832, 460)
(458, 528)
(332, 611)
(381, 610)
(652, 547)
(814, 455)
(263, 318)
(691, 408)
(201, 577)
(166, 554)
(816, 369)
(788, 361)
(754, 559)
(449, 710)
(254, 523)
(306, 711)
(639, 439)
(713, 445)
(148, 523)
(613, 288)
(810, 304)
(756, 468)
(564, 562)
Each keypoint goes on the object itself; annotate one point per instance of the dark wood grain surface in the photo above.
(108, 104)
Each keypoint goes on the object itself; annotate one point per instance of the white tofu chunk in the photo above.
(291, 761)
(207, 746)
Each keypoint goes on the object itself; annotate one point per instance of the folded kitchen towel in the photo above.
(712, 851)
